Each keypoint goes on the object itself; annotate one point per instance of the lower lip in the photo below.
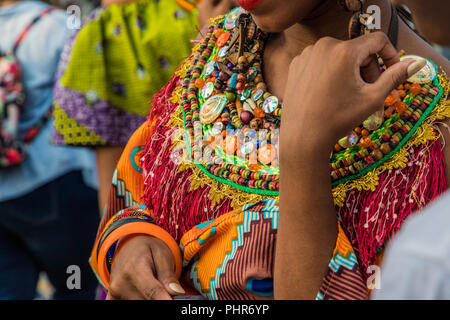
(249, 4)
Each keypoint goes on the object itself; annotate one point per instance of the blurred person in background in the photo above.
(86, 6)
(48, 204)
(417, 264)
(122, 56)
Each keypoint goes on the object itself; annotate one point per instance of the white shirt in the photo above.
(417, 262)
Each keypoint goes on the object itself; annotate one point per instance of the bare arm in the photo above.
(307, 226)
(107, 158)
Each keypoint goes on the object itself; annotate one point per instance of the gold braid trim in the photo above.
(423, 134)
(219, 191)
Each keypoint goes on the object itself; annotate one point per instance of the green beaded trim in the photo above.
(425, 114)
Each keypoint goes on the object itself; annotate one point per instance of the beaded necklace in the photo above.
(229, 114)
(232, 121)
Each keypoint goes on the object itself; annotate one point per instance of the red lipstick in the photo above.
(249, 4)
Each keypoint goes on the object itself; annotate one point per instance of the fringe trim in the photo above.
(423, 134)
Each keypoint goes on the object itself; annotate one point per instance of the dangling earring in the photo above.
(358, 24)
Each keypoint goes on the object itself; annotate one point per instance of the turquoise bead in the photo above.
(233, 81)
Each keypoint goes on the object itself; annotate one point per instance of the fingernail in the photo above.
(177, 288)
(415, 67)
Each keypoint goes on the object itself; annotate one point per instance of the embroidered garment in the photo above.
(227, 234)
(113, 65)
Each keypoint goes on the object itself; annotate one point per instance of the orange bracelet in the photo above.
(136, 228)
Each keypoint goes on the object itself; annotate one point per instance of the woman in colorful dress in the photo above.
(112, 67)
(194, 204)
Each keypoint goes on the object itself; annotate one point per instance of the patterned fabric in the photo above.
(227, 237)
(110, 69)
(343, 280)
(231, 257)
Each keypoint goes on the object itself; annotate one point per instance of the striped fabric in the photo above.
(343, 280)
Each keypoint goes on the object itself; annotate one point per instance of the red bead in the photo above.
(246, 116)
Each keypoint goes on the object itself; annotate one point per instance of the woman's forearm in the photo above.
(307, 228)
(107, 158)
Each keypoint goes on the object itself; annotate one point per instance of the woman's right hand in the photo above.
(143, 269)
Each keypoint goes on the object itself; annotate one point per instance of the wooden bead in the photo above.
(377, 154)
(242, 60)
(258, 79)
(385, 148)
(261, 86)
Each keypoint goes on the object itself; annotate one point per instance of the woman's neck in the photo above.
(327, 20)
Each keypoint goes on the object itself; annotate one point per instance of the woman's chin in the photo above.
(278, 15)
(269, 25)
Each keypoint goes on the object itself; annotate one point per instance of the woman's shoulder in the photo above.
(386, 140)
